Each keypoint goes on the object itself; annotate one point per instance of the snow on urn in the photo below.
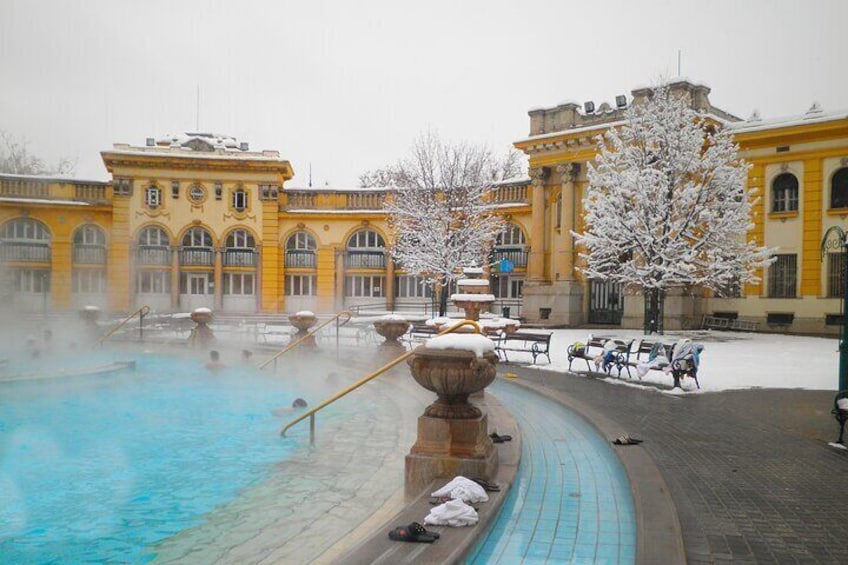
(391, 327)
(201, 334)
(303, 320)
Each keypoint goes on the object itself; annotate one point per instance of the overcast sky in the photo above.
(347, 86)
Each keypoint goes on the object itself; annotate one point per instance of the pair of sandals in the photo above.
(496, 438)
(487, 486)
(415, 533)
(626, 440)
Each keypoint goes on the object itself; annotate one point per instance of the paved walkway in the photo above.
(750, 472)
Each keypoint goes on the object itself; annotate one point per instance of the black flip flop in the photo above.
(487, 486)
(496, 438)
(419, 530)
(626, 440)
(403, 533)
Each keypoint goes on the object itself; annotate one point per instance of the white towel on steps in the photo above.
(463, 489)
(452, 513)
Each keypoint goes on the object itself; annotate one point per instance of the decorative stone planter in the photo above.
(201, 335)
(303, 321)
(452, 374)
(452, 433)
(90, 315)
(391, 329)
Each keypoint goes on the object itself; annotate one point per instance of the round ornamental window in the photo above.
(197, 193)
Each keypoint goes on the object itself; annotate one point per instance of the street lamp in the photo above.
(836, 238)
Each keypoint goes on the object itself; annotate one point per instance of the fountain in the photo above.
(303, 320)
(452, 433)
(201, 335)
(474, 295)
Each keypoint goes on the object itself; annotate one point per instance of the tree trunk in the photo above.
(652, 311)
(443, 300)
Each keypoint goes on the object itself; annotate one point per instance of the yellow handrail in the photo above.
(371, 376)
(141, 312)
(307, 336)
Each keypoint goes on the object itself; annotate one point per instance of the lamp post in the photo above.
(836, 238)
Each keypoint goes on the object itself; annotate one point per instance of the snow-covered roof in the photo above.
(326, 188)
(43, 201)
(57, 177)
(519, 179)
(814, 115)
(196, 145)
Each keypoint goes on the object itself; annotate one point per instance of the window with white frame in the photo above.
(835, 275)
(240, 239)
(35, 281)
(240, 284)
(301, 241)
(784, 191)
(783, 277)
(240, 200)
(153, 236)
(300, 285)
(511, 236)
(89, 281)
(153, 282)
(122, 186)
(25, 229)
(152, 196)
(505, 286)
(411, 286)
(197, 237)
(366, 239)
(365, 286)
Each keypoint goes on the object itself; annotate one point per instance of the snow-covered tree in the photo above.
(440, 215)
(16, 159)
(667, 205)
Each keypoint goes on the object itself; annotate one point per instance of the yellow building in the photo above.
(799, 168)
(200, 220)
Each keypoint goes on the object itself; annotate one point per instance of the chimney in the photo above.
(150, 142)
(243, 146)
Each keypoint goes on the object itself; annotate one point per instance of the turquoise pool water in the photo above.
(98, 468)
(571, 501)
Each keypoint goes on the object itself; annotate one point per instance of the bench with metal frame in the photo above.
(537, 344)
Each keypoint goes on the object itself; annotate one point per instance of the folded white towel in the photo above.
(452, 513)
(463, 489)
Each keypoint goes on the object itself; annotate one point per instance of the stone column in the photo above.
(565, 255)
(175, 278)
(390, 282)
(536, 260)
(218, 277)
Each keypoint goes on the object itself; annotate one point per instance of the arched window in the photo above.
(89, 244)
(510, 245)
(510, 236)
(784, 193)
(153, 247)
(300, 250)
(197, 237)
(839, 189)
(240, 249)
(24, 239)
(366, 249)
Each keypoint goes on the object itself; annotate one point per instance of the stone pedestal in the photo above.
(447, 448)
(562, 301)
(201, 335)
(303, 321)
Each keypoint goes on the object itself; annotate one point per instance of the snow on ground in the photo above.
(730, 360)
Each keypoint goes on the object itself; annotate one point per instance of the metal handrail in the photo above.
(141, 312)
(311, 413)
(309, 334)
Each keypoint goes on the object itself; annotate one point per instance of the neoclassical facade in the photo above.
(201, 220)
(799, 170)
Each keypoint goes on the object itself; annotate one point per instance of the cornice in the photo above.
(112, 160)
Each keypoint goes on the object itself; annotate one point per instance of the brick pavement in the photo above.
(751, 474)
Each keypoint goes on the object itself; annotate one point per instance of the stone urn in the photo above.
(473, 296)
(453, 374)
(202, 334)
(303, 321)
(452, 433)
(90, 315)
(391, 328)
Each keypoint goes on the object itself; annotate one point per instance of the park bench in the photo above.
(537, 344)
(418, 332)
(840, 411)
(612, 353)
(679, 368)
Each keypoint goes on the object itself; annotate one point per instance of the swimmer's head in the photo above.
(214, 355)
(299, 403)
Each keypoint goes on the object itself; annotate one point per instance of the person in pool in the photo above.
(214, 363)
(297, 404)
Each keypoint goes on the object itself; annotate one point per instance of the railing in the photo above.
(197, 256)
(308, 335)
(153, 255)
(365, 200)
(365, 259)
(90, 192)
(311, 413)
(239, 258)
(30, 252)
(90, 254)
(518, 257)
(24, 188)
(300, 200)
(141, 313)
(508, 194)
(300, 258)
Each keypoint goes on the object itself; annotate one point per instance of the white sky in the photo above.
(346, 86)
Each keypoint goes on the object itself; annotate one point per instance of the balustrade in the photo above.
(27, 252)
(300, 258)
